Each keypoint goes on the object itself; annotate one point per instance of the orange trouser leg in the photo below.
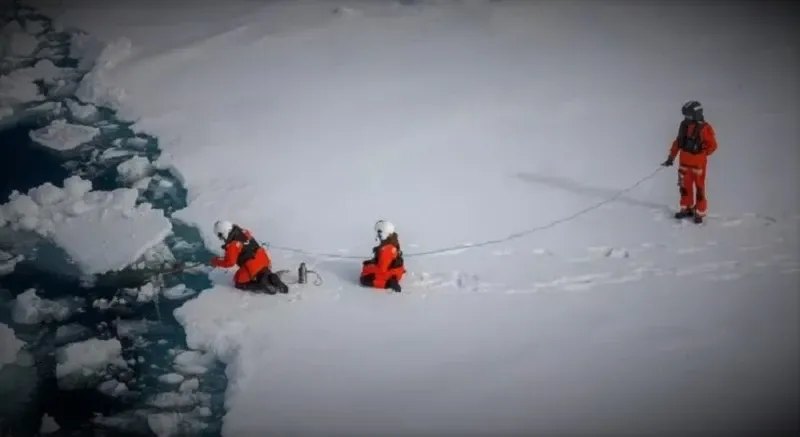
(701, 204)
(686, 186)
(242, 276)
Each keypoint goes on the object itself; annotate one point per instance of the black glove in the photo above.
(668, 163)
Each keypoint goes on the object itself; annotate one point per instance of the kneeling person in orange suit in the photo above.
(254, 263)
(385, 270)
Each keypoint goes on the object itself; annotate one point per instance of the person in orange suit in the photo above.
(696, 141)
(386, 268)
(254, 263)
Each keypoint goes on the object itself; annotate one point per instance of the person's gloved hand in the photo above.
(668, 163)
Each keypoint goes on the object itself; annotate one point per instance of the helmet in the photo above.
(692, 110)
(223, 229)
(383, 229)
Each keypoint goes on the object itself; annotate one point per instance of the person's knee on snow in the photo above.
(696, 141)
(386, 268)
(243, 251)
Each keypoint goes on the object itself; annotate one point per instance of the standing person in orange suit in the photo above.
(386, 268)
(254, 263)
(696, 141)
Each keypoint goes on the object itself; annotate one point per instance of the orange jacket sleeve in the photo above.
(673, 150)
(386, 255)
(232, 251)
(709, 138)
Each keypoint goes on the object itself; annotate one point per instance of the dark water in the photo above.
(24, 165)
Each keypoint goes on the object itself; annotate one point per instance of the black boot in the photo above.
(684, 213)
(698, 219)
(393, 285)
(255, 286)
(264, 285)
(275, 283)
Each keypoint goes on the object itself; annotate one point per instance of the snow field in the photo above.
(463, 122)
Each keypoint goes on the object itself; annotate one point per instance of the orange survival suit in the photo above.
(254, 263)
(696, 141)
(386, 268)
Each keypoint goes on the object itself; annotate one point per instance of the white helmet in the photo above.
(223, 229)
(383, 229)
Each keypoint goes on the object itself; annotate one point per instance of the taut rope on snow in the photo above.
(488, 242)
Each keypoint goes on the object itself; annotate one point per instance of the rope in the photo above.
(316, 283)
(159, 285)
(487, 242)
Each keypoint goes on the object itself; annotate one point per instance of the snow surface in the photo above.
(80, 111)
(79, 362)
(70, 333)
(8, 262)
(49, 425)
(63, 136)
(30, 309)
(171, 378)
(100, 231)
(134, 169)
(10, 345)
(463, 122)
(15, 42)
(20, 88)
(44, 70)
(17, 88)
(177, 292)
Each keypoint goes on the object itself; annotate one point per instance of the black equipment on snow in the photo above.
(302, 274)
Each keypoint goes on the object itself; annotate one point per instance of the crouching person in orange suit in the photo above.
(386, 269)
(243, 251)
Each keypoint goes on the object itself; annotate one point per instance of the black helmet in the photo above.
(692, 110)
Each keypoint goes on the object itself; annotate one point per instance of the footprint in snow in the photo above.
(610, 252)
(725, 277)
(706, 268)
(617, 253)
(689, 250)
(752, 248)
(571, 283)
